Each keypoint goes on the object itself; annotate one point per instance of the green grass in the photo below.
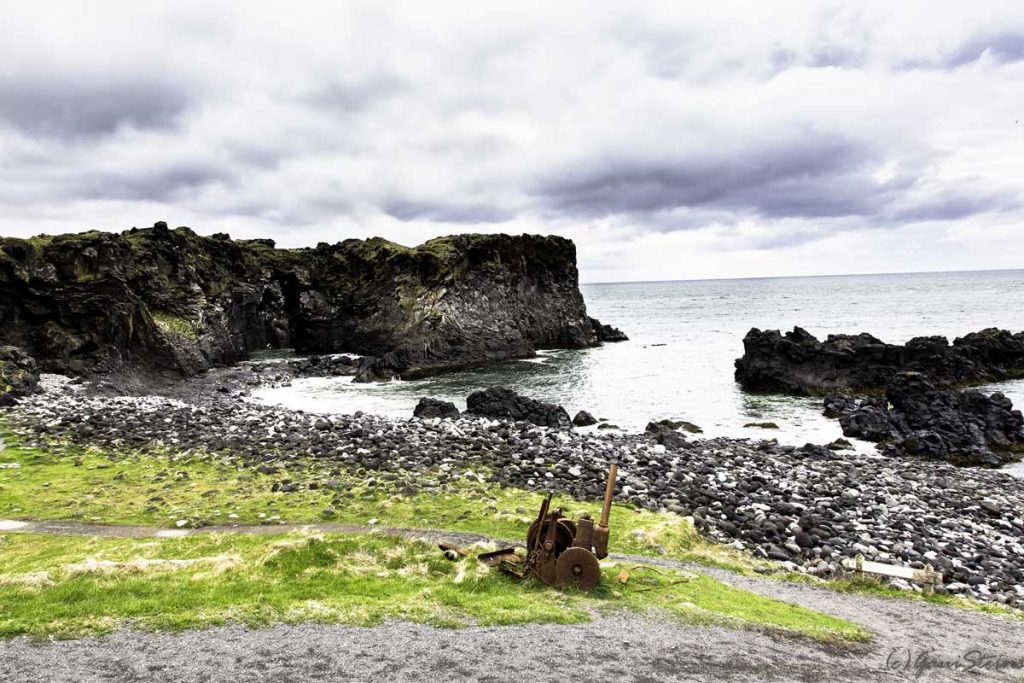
(54, 586)
(176, 325)
(165, 489)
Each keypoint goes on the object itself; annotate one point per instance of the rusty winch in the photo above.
(559, 551)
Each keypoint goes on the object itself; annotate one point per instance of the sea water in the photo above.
(684, 337)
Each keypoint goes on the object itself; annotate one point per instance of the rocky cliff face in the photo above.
(175, 302)
(18, 375)
(798, 363)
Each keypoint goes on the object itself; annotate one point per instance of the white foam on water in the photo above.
(11, 525)
(172, 533)
(1014, 470)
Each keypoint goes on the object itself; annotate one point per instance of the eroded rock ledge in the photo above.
(177, 303)
(798, 363)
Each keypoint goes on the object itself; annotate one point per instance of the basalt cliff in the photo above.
(176, 303)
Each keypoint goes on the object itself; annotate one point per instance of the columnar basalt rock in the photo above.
(177, 303)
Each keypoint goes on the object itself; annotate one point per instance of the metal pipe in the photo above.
(609, 491)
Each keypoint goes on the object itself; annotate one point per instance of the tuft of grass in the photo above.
(53, 586)
(176, 325)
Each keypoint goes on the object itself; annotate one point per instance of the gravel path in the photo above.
(619, 647)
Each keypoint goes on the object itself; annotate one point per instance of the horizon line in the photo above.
(794, 277)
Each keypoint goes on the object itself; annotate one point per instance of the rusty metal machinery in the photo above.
(560, 552)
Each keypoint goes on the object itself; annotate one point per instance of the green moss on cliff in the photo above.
(177, 325)
(372, 296)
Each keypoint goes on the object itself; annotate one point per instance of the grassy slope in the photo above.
(53, 586)
(91, 486)
(132, 488)
(147, 489)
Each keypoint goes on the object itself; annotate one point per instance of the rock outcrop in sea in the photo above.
(177, 303)
(429, 408)
(965, 426)
(798, 363)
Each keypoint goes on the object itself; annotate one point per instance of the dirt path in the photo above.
(621, 647)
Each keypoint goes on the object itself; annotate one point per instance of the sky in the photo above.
(672, 140)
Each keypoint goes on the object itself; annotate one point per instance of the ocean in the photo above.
(684, 337)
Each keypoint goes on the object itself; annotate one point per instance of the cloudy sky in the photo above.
(684, 140)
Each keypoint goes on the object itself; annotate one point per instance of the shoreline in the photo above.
(807, 508)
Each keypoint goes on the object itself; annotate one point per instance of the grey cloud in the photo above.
(69, 108)
(354, 96)
(446, 212)
(957, 204)
(824, 56)
(842, 56)
(1003, 47)
(156, 184)
(814, 177)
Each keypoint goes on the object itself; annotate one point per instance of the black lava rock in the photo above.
(798, 363)
(497, 402)
(963, 426)
(432, 407)
(584, 419)
(607, 333)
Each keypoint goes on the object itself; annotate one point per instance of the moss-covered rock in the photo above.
(18, 375)
(177, 302)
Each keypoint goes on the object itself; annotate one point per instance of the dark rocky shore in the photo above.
(811, 506)
(966, 427)
(167, 302)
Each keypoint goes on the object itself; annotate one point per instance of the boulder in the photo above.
(432, 407)
(325, 366)
(839, 405)
(18, 375)
(672, 425)
(871, 420)
(584, 419)
(506, 404)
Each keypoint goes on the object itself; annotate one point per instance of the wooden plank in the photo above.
(926, 577)
(897, 571)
